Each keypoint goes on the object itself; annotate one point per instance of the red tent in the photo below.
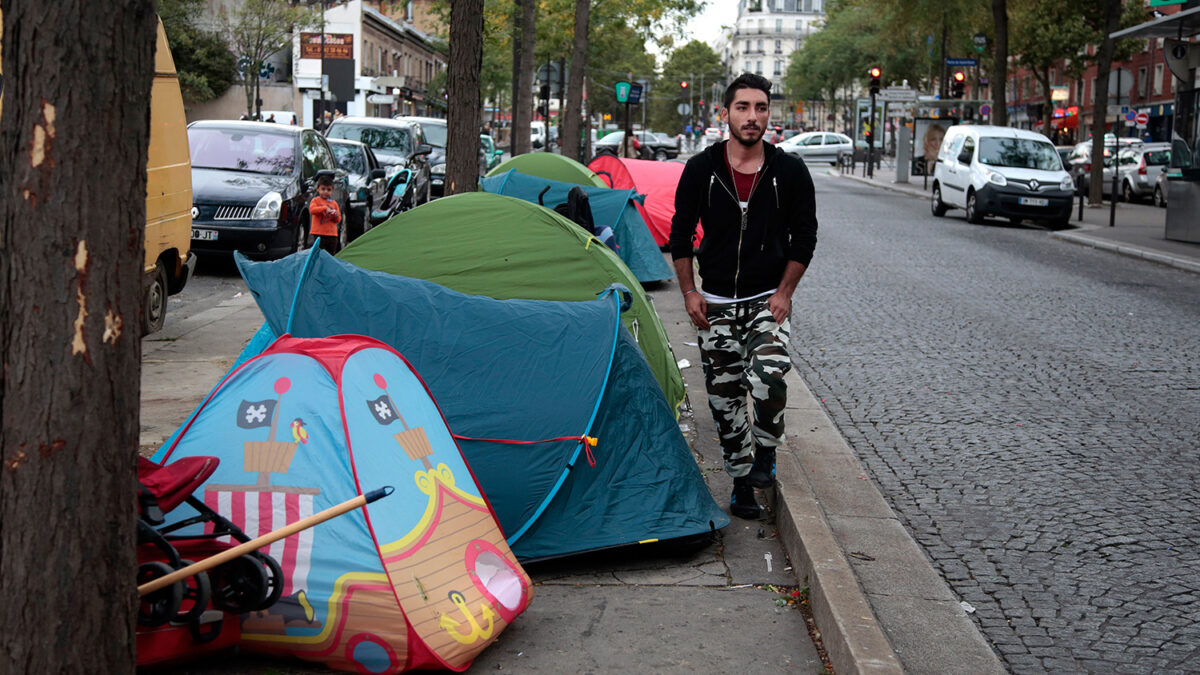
(656, 180)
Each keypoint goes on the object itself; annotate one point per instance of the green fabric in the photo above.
(504, 248)
(552, 166)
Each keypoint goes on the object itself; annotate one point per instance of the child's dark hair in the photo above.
(747, 81)
(324, 179)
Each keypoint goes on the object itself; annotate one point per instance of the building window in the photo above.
(758, 70)
(778, 67)
(799, 25)
(807, 6)
(1158, 79)
(1142, 84)
(779, 46)
(778, 25)
(760, 46)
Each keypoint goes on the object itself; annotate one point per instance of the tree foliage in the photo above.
(257, 29)
(694, 62)
(205, 65)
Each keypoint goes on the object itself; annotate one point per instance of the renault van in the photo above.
(1002, 172)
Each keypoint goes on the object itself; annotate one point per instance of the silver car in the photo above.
(819, 146)
(1139, 168)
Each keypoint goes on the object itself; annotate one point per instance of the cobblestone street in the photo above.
(1029, 408)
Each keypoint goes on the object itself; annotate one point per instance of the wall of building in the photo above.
(232, 104)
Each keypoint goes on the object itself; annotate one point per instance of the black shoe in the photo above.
(742, 503)
(762, 473)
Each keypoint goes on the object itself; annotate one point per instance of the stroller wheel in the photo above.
(274, 580)
(162, 605)
(197, 591)
(241, 585)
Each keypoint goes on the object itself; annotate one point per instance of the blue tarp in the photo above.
(610, 208)
(519, 370)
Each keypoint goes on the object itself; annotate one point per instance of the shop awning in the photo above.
(1178, 25)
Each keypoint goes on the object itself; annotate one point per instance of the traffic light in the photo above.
(544, 92)
(874, 72)
(957, 87)
(683, 85)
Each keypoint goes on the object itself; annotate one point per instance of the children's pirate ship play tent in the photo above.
(502, 247)
(519, 370)
(610, 208)
(422, 579)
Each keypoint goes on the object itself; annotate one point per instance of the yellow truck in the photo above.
(169, 261)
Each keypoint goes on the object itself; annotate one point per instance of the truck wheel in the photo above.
(155, 313)
(936, 205)
(973, 215)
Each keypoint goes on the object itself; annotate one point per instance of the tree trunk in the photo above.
(1112, 21)
(73, 148)
(1043, 77)
(524, 43)
(462, 88)
(571, 137)
(1000, 86)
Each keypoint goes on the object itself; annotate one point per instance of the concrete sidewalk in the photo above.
(1137, 231)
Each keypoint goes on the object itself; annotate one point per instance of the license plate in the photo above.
(1033, 201)
(204, 235)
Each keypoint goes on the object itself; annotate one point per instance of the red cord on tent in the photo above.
(589, 442)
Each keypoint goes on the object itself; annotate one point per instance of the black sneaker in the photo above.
(742, 503)
(762, 473)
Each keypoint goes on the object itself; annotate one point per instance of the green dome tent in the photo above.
(505, 248)
(552, 166)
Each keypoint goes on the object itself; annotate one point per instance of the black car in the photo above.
(653, 146)
(251, 184)
(434, 129)
(397, 144)
(368, 182)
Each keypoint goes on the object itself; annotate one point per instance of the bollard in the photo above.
(1080, 193)
(1112, 208)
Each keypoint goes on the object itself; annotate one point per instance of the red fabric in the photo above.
(174, 483)
(326, 217)
(656, 180)
(744, 183)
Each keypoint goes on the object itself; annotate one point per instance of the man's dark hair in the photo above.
(747, 81)
(324, 178)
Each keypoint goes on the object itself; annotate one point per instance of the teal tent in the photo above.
(506, 372)
(610, 208)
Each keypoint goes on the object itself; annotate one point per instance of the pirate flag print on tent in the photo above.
(423, 579)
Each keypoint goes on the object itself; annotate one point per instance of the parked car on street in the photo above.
(1080, 166)
(251, 184)
(435, 135)
(1160, 190)
(368, 182)
(1000, 171)
(819, 146)
(1138, 169)
(396, 144)
(654, 147)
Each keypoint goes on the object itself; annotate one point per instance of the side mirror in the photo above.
(423, 149)
(377, 173)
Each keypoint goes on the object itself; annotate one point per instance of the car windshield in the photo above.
(1020, 153)
(350, 158)
(381, 137)
(1158, 157)
(435, 134)
(242, 150)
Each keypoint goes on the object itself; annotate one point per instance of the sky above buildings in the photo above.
(706, 26)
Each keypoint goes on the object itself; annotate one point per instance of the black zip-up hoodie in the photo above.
(781, 221)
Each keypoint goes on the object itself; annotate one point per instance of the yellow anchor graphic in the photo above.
(477, 632)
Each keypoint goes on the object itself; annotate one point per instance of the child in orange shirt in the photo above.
(325, 214)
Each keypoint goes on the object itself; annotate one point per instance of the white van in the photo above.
(1001, 171)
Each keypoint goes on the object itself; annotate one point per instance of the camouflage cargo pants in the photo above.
(744, 352)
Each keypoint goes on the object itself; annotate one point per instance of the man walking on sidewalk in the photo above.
(758, 209)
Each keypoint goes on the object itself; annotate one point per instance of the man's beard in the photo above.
(736, 135)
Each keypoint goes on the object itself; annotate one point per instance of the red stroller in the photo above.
(188, 618)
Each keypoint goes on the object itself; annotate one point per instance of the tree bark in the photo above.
(462, 88)
(73, 149)
(571, 137)
(524, 44)
(1043, 78)
(1112, 21)
(1000, 86)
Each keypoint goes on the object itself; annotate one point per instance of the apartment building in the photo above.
(763, 39)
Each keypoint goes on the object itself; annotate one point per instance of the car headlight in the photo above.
(997, 178)
(267, 207)
(438, 168)
(1067, 184)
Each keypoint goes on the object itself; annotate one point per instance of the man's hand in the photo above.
(780, 304)
(697, 309)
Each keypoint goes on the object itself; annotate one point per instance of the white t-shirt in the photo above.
(722, 300)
